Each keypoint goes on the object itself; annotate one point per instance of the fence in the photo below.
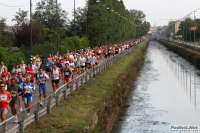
(56, 97)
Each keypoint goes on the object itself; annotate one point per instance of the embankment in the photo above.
(187, 53)
(96, 106)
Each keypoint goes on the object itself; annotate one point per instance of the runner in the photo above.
(20, 80)
(30, 73)
(55, 77)
(5, 99)
(67, 73)
(72, 67)
(92, 61)
(2, 66)
(48, 66)
(88, 66)
(28, 90)
(41, 81)
(42, 59)
(3, 79)
(14, 90)
(36, 69)
(78, 66)
(62, 61)
(15, 71)
(22, 66)
(82, 60)
(7, 75)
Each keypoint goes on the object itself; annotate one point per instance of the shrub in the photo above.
(74, 43)
(11, 58)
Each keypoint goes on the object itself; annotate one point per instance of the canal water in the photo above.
(166, 92)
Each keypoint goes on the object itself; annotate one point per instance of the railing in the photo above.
(192, 45)
(56, 97)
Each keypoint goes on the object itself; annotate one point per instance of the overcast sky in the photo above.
(157, 11)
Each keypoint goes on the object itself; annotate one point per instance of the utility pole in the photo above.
(183, 32)
(195, 28)
(30, 27)
(186, 32)
(57, 25)
(86, 17)
(74, 25)
(74, 18)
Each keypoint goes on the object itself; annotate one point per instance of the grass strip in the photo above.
(77, 114)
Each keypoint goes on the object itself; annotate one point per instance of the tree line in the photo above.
(94, 25)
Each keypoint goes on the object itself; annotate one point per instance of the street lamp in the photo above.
(86, 18)
(57, 25)
(195, 24)
(31, 27)
(74, 18)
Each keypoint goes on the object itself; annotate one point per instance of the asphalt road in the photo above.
(36, 99)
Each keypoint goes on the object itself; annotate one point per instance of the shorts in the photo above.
(67, 78)
(42, 88)
(35, 75)
(32, 81)
(55, 81)
(82, 66)
(48, 70)
(1, 110)
(27, 99)
(13, 102)
(21, 93)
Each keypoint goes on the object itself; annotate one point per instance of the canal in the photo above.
(166, 92)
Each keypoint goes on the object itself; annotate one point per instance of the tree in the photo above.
(137, 15)
(2, 23)
(80, 23)
(22, 34)
(21, 17)
(48, 35)
(46, 14)
(142, 26)
(106, 24)
(6, 38)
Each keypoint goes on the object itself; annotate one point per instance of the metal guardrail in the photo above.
(56, 97)
(195, 46)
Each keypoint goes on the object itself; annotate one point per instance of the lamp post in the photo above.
(74, 25)
(183, 32)
(194, 26)
(57, 25)
(86, 17)
(30, 27)
(74, 18)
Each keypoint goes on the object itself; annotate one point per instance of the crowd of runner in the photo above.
(18, 85)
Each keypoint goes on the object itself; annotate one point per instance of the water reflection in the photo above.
(188, 78)
(166, 93)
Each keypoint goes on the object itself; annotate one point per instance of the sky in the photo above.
(158, 12)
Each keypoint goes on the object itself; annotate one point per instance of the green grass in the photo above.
(77, 114)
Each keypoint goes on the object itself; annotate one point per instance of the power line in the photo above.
(13, 6)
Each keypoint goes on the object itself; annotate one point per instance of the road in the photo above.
(36, 98)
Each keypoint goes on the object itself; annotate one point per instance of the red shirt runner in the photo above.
(29, 73)
(4, 99)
